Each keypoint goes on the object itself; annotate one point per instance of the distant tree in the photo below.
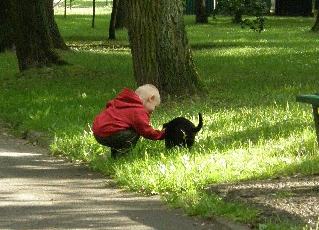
(159, 46)
(32, 40)
(237, 8)
(6, 32)
(315, 27)
(201, 13)
(113, 19)
(294, 7)
(54, 33)
(93, 16)
(121, 14)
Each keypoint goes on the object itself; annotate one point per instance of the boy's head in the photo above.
(150, 96)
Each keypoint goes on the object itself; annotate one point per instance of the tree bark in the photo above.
(93, 16)
(6, 32)
(54, 33)
(201, 15)
(315, 27)
(32, 40)
(159, 46)
(293, 7)
(121, 14)
(238, 17)
(113, 20)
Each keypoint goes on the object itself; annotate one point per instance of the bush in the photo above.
(238, 8)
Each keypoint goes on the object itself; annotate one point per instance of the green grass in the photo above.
(253, 127)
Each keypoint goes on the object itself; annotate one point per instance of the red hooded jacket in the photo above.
(124, 112)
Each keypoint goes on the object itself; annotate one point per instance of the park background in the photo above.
(253, 127)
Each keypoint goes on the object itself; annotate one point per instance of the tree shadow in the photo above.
(291, 199)
(251, 136)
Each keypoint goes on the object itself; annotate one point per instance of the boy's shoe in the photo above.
(116, 153)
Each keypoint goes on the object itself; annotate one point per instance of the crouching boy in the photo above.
(126, 118)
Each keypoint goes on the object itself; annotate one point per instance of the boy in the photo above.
(126, 118)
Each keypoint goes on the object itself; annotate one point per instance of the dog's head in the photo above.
(181, 132)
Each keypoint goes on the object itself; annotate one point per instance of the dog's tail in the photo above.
(200, 123)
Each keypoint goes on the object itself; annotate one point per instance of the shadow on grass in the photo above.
(285, 199)
(252, 136)
(208, 45)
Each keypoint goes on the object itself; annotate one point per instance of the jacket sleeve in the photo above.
(141, 124)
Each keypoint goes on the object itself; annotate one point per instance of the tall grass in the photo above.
(253, 127)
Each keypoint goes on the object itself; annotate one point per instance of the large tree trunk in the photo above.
(54, 33)
(293, 7)
(201, 15)
(159, 46)
(315, 27)
(32, 40)
(113, 20)
(6, 33)
(121, 14)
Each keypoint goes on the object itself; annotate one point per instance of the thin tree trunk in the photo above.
(315, 27)
(201, 15)
(121, 14)
(56, 38)
(64, 8)
(238, 17)
(113, 20)
(93, 16)
(33, 44)
(159, 46)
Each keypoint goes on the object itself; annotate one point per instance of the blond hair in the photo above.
(148, 90)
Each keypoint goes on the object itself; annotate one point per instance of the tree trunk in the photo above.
(54, 33)
(6, 33)
(64, 8)
(201, 15)
(238, 17)
(159, 46)
(93, 16)
(121, 14)
(315, 27)
(33, 44)
(113, 20)
(293, 7)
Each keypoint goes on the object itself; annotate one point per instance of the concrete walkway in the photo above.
(38, 191)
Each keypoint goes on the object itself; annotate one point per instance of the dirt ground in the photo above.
(295, 199)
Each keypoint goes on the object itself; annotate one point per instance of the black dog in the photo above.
(181, 132)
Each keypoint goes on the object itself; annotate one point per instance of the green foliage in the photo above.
(257, 24)
(253, 128)
(248, 7)
(238, 8)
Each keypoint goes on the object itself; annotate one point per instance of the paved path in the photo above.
(38, 191)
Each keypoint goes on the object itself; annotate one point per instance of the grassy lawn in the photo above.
(253, 127)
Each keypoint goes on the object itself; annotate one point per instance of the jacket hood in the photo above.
(126, 99)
